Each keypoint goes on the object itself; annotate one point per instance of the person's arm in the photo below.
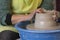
(19, 18)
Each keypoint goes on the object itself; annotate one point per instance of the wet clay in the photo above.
(44, 21)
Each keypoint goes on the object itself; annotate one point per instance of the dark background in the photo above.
(58, 5)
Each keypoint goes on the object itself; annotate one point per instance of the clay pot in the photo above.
(44, 20)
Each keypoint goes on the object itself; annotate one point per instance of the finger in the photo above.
(40, 10)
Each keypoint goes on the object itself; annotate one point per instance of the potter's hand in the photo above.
(30, 16)
(40, 10)
(55, 15)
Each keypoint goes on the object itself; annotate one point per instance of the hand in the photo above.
(30, 16)
(55, 15)
(40, 10)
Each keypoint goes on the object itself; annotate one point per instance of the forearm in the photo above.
(16, 18)
(19, 18)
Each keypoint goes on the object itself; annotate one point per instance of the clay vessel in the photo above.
(44, 21)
